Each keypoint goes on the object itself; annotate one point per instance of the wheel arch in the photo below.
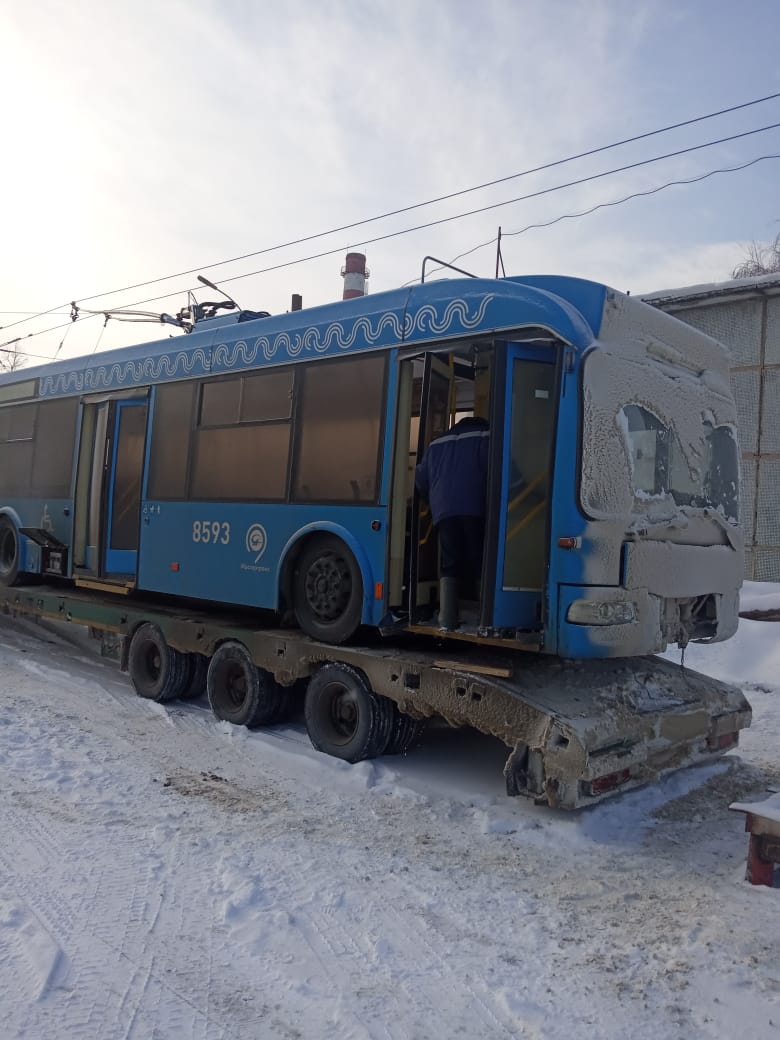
(21, 539)
(294, 547)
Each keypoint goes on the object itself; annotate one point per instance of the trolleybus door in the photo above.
(517, 538)
(435, 408)
(123, 498)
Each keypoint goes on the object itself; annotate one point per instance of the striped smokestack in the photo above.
(354, 274)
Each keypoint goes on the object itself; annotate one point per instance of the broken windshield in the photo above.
(659, 468)
(656, 439)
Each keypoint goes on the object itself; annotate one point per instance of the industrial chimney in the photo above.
(354, 274)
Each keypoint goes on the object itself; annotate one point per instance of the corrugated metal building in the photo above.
(745, 315)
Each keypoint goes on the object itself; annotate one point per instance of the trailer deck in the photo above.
(577, 731)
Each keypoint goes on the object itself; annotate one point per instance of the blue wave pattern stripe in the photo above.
(428, 320)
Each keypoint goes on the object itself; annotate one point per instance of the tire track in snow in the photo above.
(114, 911)
(28, 940)
(386, 944)
(360, 963)
(32, 862)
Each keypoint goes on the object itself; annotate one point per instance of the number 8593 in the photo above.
(211, 531)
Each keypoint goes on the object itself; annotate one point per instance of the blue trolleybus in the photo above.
(268, 462)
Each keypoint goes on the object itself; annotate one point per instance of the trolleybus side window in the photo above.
(340, 419)
(261, 397)
(16, 448)
(53, 453)
(219, 402)
(267, 396)
(36, 448)
(232, 434)
(241, 445)
(171, 431)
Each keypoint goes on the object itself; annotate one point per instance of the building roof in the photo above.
(735, 287)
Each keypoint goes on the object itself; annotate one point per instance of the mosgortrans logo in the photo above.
(256, 541)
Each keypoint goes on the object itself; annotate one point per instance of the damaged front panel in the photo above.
(662, 543)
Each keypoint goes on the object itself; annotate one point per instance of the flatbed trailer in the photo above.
(576, 731)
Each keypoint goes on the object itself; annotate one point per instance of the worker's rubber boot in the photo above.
(448, 604)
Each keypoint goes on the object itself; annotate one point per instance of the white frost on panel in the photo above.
(622, 425)
(681, 376)
(672, 370)
(633, 324)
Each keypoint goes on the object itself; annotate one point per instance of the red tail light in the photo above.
(725, 740)
(610, 781)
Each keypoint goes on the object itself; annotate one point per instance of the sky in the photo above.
(146, 139)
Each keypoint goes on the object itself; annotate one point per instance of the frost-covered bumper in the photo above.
(661, 583)
(617, 725)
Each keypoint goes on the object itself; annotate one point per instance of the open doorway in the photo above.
(513, 387)
(108, 488)
(436, 390)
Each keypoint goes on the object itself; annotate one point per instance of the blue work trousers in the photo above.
(461, 542)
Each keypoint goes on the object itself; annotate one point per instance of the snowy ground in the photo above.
(164, 875)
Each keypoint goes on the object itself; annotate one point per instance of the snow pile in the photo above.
(769, 808)
(759, 595)
(166, 875)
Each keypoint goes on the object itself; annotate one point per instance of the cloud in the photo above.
(151, 138)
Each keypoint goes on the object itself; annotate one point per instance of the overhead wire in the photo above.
(419, 205)
(605, 205)
(507, 202)
(34, 314)
(12, 346)
(640, 194)
(458, 216)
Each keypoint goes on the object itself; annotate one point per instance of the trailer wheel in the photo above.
(157, 671)
(328, 590)
(344, 717)
(9, 552)
(196, 683)
(239, 691)
(405, 732)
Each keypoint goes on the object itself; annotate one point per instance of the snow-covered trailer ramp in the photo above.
(577, 731)
(604, 726)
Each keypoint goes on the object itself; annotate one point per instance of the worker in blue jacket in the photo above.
(452, 476)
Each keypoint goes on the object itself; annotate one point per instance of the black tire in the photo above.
(405, 732)
(157, 671)
(328, 590)
(344, 717)
(240, 692)
(196, 683)
(9, 552)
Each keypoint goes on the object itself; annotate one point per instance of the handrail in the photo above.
(527, 490)
(443, 263)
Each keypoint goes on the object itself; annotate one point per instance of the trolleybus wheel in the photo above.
(9, 552)
(196, 683)
(239, 691)
(405, 732)
(157, 671)
(328, 590)
(344, 717)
